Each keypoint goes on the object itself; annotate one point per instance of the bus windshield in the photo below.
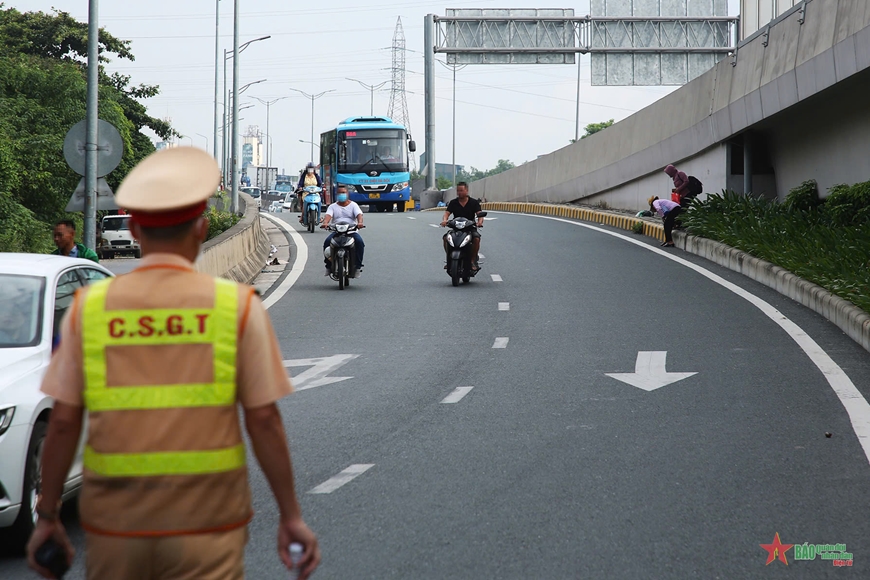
(365, 150)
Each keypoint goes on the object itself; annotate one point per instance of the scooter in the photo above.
(459, 266)
(341, 253)
(311, 207)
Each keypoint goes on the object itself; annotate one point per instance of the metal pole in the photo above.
(268, 106)
(372, 103)
(747, 163)
(234, 204)
(454, 124)
(429, 68)
(217, 54)
(312, 128)
(89, 236)
(577, 121)
(224, 157)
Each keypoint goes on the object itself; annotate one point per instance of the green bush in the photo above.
(220, 221)
(810, 243)
(637, 227)
(803, 197)
(849, 204)
(20, 231)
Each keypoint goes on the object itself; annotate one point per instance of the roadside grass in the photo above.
(824, 241)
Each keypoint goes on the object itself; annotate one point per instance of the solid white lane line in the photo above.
(850, 397)
(457, 395)
(504, 305)
(298, 264)
(500, 342)
(342, 478)
(496, 278)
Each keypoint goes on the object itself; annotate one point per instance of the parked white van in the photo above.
(115, 238)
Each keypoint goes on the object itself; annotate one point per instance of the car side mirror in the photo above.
(412, 146)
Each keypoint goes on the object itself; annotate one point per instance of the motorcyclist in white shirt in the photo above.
(344, 211)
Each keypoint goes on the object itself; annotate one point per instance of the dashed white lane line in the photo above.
(481, 256)
(500, 342)
(504, 305)
(496, 278)
(298, 263)
(411, 218)
(336, 481)
(435, 225)
(457, 395)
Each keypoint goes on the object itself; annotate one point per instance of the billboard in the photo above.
(676, 47)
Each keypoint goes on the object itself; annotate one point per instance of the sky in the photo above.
(514, 112)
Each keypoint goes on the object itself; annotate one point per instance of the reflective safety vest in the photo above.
(163, 457)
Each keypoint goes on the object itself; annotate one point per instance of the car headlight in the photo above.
(465, 241)
(402, 185)
(6, 419)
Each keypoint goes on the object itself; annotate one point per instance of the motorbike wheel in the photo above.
(312, 217)
(454, 272)
(339, 270)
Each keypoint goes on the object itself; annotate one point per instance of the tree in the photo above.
(43, 90)
(593, 128)
(474, 174)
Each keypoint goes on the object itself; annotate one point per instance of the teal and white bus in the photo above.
(370, 156)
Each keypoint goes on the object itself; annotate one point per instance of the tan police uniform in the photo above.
(161, 358)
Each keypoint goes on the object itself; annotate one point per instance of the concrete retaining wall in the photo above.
(819, 64)
(240, 252)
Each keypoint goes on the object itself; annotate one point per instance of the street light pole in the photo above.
(372, 88)
(217, 53)
(206, 140)
(234, 203)
(268, 105)
(313, 98)
(92, 127)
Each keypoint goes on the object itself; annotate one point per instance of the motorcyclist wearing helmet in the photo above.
(308, 177)
(344, 211)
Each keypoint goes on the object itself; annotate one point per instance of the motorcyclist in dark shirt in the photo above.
(468, 207)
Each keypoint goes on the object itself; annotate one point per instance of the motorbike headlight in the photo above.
(465, 241)
(6, 419)
(450, 241)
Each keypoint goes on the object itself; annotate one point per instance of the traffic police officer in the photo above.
(159, 358)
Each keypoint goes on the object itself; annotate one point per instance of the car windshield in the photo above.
(284, 187)
(20, 310)
(114, 224)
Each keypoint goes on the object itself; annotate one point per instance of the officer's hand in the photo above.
(45, 530)
(296, 530)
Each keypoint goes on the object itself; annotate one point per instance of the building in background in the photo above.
(252, 147)
(444, 170)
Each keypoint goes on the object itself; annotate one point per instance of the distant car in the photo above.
(252, 191)
(276, 206)
(115, 238)
(35, 292)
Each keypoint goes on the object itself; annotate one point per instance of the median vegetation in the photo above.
(825, 241)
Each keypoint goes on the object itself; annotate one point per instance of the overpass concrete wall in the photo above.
(776, 86)
(240, 252)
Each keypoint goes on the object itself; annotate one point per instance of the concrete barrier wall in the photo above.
(240, 252)
(814, 63)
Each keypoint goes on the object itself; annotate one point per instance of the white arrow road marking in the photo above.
(336, 481)
(320, 367)
(457, 395)
(500, 342)
(504, 305)
(496, 278)
(649, 372)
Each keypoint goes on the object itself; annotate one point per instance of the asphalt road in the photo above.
(120, 265)
(545, 466)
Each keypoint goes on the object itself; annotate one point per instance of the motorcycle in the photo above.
(311, 207)
(341, 253)
(459, 238)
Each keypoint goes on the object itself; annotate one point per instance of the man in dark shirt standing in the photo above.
(468, 207)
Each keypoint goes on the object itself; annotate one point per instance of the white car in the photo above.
(35, 292)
